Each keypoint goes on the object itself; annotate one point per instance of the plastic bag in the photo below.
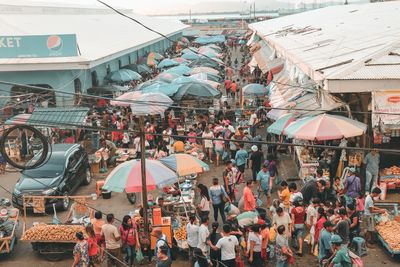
(315, 253)
(272, 234)
(139, 255)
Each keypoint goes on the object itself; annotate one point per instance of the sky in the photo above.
(152, 7)
(159, 6)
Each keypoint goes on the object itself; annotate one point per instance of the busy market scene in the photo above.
(261, 136)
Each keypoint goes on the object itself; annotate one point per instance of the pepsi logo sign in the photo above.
(54, 43)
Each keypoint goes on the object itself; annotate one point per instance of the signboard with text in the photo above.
(384, 103)
(36, 46)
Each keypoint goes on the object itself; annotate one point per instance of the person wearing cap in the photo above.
(241, 158)
(255, 161)
(352, 184)
(324, 245)
(371, 161)
(342, 228)
(263, 183)
(341, 256)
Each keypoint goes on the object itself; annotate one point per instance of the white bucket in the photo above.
(94, 196)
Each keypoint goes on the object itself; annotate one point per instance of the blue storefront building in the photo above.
(72, 49)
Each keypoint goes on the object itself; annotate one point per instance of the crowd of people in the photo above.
(265, 220)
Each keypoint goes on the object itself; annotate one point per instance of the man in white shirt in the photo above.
(192, 233)
(204, 234)
(228, 245)
(208, 144)
(311, 220)
(253, 122)
(369, 211)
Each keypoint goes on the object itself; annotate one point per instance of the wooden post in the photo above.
(143, 170)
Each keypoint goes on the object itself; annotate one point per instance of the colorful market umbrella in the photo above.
(139, 68)
(195, 89)
(156, 56)
(151, 104)
(205, 70)
(325, 127)
(190, 56)
(179, 70)
(127, 177)
(159, 86)
(279, 125)
(126, 99)
(166, 76)
(167, 63)
(180, 60)
(123, 75)
(190, 49)
(184, 164)
(254, 89)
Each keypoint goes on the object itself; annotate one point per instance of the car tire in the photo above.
(88, 177)
(65, 202)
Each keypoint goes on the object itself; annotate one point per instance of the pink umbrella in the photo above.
(325, 127)
(124, 100)
(19, 119)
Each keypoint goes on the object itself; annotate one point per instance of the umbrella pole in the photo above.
(143, 170)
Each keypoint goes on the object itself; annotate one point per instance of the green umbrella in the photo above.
(123, 75)
(189, 88)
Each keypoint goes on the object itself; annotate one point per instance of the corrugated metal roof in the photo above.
(375, 72)
(327, 42)
(58, 116)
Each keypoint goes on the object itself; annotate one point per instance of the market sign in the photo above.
(36, 46)
(386, 102)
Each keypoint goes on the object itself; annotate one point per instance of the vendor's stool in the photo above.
(359, 246)
(99, 186)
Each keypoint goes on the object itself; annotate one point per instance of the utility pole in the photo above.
(143, 170)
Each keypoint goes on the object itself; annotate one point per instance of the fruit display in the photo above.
(50, 232)
(180, 233)
(390, 233)
(394, 170)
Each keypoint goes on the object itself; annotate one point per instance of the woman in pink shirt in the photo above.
(193, 136)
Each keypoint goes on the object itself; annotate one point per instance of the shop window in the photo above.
(130, 59)
(108, 69)
(119, 64)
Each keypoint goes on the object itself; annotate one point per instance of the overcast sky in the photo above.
(151, 6)
(183, 6)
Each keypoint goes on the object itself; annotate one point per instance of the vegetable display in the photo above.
(49, 232)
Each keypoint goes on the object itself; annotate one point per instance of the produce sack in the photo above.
(139, 255)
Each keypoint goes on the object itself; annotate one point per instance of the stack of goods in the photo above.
(49, 232)
(391, 176)
(180, 233)
(394, 170)
(389, 231)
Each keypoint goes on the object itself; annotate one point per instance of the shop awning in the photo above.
(59, 117)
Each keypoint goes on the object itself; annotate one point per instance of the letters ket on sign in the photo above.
(31, 46)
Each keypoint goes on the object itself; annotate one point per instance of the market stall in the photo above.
(53, 239)
(9, 218)
(388, 229)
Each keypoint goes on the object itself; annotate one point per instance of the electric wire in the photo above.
(109, 129)
(165, 104)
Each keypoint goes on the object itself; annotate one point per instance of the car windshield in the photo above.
(53, 166)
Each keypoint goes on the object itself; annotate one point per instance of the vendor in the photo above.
(160, 204)
(370, 211)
